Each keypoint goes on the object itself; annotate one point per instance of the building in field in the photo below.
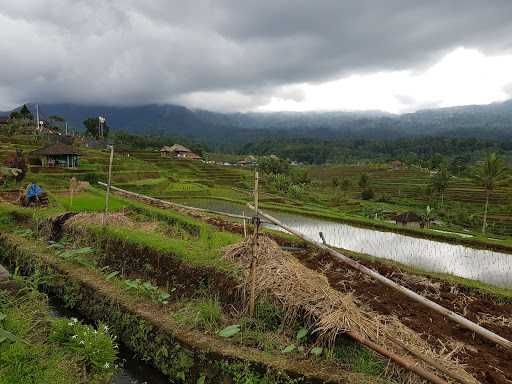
(396, 165)
(56, 155)
(178, 151)
(409, 219)
(249, 161)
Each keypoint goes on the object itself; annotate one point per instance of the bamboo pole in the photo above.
(462, 321)
(412, 366)
(245, 227)
(107, 195)
(170, 204)
(430, 361)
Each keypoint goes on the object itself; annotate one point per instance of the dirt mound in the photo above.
(307, 294)
(119, 219)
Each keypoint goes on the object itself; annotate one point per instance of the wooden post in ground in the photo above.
(245, 227)
(73, 183)
(252, 272)
(109, 182)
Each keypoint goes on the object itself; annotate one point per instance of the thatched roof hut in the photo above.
(408, 218)
(57, 155)
(179, 151)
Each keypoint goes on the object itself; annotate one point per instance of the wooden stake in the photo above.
(245, 227)
(468, 324)
(252, 273)
(109, 182)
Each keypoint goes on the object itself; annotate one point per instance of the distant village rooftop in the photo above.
(178, 151)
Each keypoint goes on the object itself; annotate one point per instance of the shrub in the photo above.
(296, 191)
(97, 348)
(92, 178)
(209, 312)
(278, 182)
(367, 194)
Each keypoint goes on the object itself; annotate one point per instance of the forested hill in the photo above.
(492, 121)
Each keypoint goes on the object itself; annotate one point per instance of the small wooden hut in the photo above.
(179, 151)
(409, 219)
(396, 165)
(57, 155)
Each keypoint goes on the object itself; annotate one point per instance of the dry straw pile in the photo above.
(117, 219)
(306, 294)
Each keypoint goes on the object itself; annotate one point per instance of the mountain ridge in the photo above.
(482, 121)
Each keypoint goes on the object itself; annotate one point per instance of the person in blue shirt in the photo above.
(32, 192)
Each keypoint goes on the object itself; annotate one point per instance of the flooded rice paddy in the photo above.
(487, 266)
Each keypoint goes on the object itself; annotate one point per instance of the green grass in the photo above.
(28, 355)
(204, 313)
(89, 202)
(359, 359)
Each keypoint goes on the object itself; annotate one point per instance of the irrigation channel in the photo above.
(131, 370)
(487, 266)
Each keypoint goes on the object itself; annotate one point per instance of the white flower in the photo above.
(107, 365)
(105, 328)
(82, 342)
(74, 319)
(74, 336)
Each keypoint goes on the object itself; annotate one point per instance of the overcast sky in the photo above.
(392, 55)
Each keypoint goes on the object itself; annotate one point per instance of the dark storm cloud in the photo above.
(227, 54)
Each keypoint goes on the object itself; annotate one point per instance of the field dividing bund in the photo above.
(149, 326)
(479, 305)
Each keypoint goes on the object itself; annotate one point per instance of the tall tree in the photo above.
(364, 181)
(25, 113)
(92, 127)
(440, 182)
(17, 160)
(490, 175)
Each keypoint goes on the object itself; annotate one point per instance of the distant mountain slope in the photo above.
(484, 121)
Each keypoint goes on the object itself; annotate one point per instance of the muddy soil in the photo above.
(11, 196)
(488, 362)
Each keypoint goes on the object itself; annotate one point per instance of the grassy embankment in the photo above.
(193, 296)
(35, 347)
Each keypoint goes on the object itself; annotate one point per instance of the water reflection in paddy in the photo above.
(487, 266)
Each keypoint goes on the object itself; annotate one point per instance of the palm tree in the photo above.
(440, 182)
(490, 175)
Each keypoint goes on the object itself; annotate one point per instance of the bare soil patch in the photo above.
(488, 362)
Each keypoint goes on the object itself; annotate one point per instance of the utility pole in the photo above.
(101, 124)
(37, 117)
(109, 182)
(66, 128)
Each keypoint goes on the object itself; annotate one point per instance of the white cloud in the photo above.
(462, 77)
(222, 55)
